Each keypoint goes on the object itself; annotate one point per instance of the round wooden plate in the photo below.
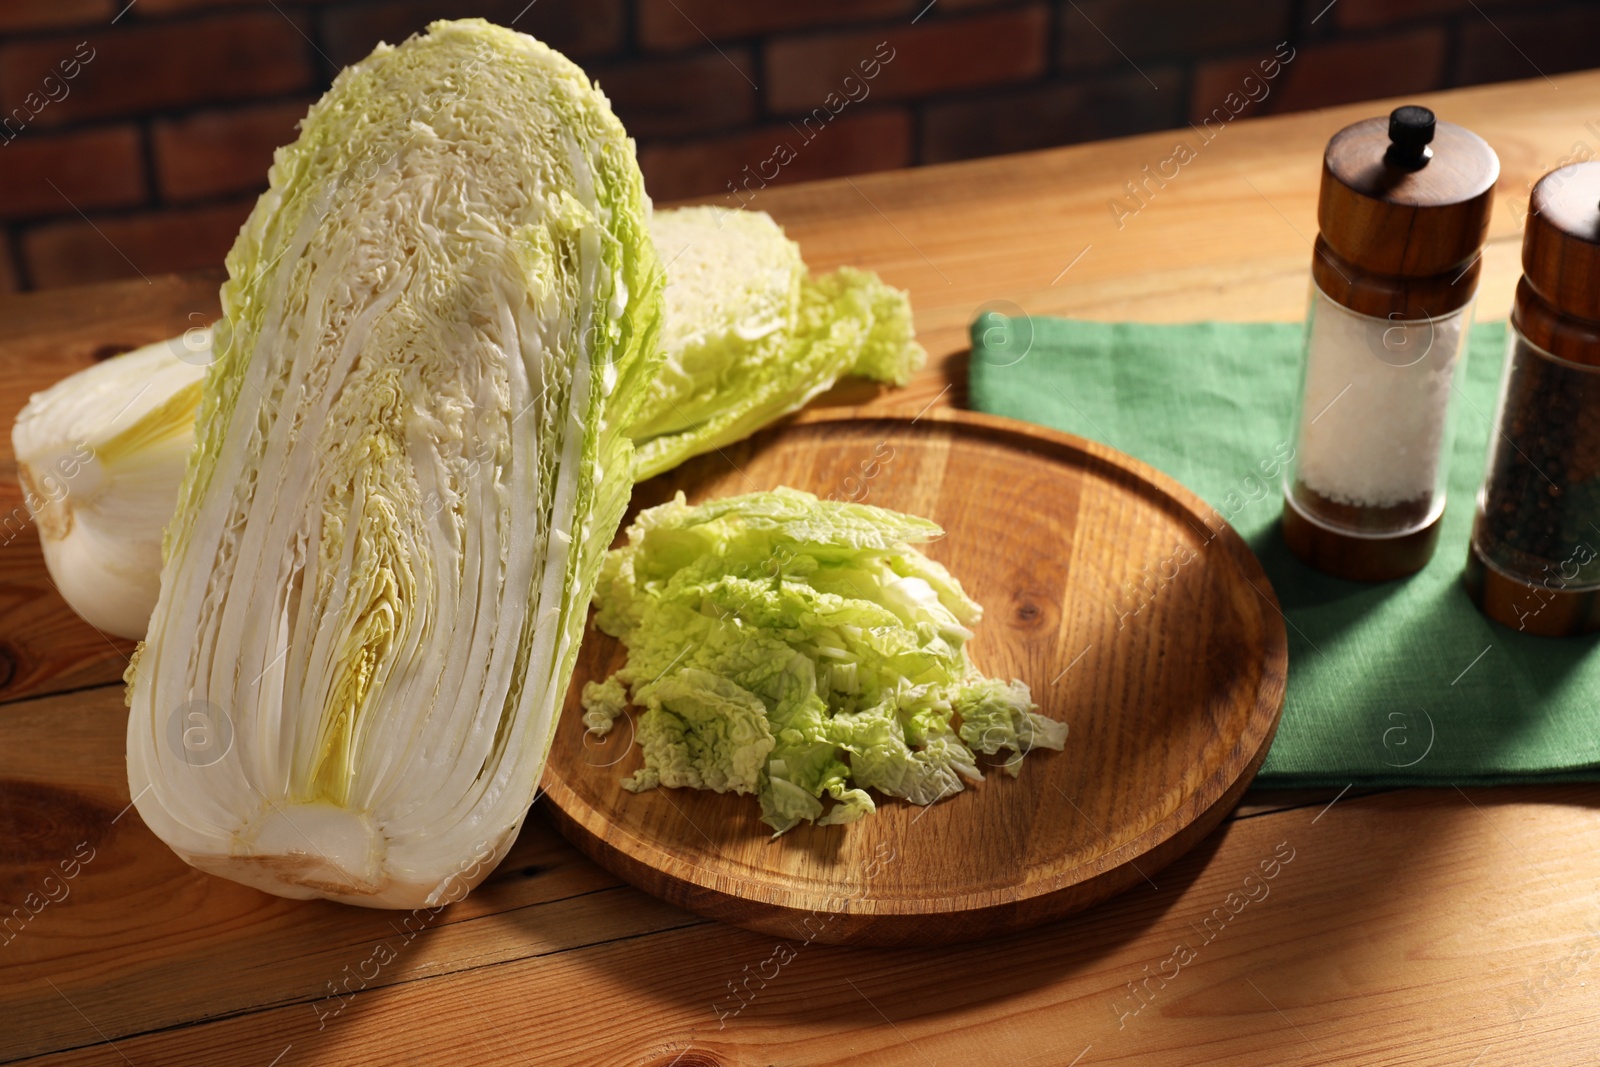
(1132, 610)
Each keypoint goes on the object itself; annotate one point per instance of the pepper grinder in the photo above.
(1402, 215)
(1534, 563)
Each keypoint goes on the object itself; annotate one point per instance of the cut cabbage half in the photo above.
(100, 455)
(749, 337)
(409, 462)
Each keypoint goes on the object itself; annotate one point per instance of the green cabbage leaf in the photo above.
(749, 336)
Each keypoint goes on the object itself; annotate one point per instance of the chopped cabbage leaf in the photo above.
(602, 703)
(802, 649)
(704, 731)
(997, 715)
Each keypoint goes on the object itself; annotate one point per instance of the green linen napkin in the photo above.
(1400, 683)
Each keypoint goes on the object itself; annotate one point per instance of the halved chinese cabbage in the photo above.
(100, 455)
(750, 337)
(798, 648)
(410, 459)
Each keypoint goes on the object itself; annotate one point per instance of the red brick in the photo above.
(1383, 14)
(1548, 42)
(48, 14)
(664, 24)
(1214, 81)
(1112, 33)
(74, 252)
(94, 169)
(579, 28)
(135, 69)
(930, 57)
(1365, 14)
(218, 152)
(1346, 71)
(157, 8)
(850, 144)
(694, 94)
(1047, 115)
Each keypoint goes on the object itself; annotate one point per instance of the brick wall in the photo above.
(136, 135)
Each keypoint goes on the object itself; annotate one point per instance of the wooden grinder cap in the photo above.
(1558, 300)
(1403, 211)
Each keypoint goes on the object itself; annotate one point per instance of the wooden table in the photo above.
(1434, 926)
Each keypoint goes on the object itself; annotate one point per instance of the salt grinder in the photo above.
(1402, 214)
(1534, 563)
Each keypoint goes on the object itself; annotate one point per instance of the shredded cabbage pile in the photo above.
(793, 648)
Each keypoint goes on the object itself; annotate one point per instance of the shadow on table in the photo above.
(1299, 587)
(1389, 660)
(928, 980)
(1363, 866)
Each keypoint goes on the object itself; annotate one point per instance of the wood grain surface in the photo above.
(1419, 927)
(1171, 694)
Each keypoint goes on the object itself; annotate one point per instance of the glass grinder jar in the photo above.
(1534, 562)
(1402, 215)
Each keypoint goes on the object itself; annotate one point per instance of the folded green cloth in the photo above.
(1400, 683)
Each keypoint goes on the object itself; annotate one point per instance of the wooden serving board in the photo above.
(1134, 613)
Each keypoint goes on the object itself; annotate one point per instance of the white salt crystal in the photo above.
(1375, 415)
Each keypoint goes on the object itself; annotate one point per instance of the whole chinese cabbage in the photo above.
(409, 460)
(798, 648)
